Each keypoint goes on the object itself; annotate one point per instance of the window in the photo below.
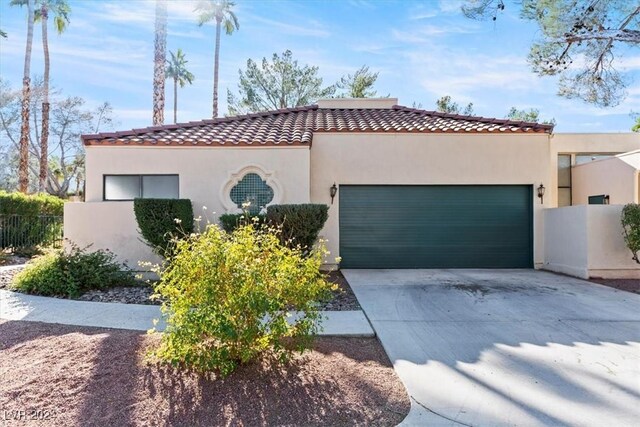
(602, 199)
(564, 180)
(254, 190)
(129, 187)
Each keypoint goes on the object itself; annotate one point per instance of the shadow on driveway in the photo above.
(508, 347)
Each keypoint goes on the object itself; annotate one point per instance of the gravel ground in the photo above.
(628, 285)
(8, 259)
(96, 377)
(7, 273)
(343, 299)
(126, 295)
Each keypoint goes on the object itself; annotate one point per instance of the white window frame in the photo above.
(140, 185)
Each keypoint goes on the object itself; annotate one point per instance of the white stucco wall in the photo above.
(594, 142)
(586, 241)
(565, 241)
(203, 172)
(616, 177)
(406, 158)
(107, 225)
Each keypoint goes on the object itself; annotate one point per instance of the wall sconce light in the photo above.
(333, 191)
(541, 193)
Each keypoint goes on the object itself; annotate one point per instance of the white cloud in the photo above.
(426, 33)
(313, 29)
(366, 4)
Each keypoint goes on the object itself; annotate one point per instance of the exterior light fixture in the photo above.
(333, 191)
(541, 193)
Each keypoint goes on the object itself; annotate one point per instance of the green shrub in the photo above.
(631, 228)
(300, 224)
(230, 222)
(27, 221)
(226, 297)
(160, 220)
(70, 274)
(30, 205)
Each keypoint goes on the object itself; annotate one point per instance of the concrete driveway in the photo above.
(507, 347)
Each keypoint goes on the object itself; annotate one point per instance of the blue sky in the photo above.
(422, 50)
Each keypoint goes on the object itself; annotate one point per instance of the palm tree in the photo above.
(61, 11)
(220, 11)
(23, 167)
(177, 70)
(160, 57)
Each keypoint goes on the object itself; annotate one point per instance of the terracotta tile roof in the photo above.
(296, 126)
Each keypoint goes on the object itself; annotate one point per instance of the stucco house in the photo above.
(415, 188)
(609, 180)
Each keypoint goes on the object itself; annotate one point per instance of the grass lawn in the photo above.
(97, 377)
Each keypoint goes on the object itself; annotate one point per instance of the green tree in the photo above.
(221, 12)
(275, 84)
(578, 41)
(530, 115)
(23, 168)
(60, 10)
(177, 71)
(446, 105)
(636, 127)
(70, 118)
(359, 84)
(159, 59)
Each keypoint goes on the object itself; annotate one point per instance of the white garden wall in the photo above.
(586, 241)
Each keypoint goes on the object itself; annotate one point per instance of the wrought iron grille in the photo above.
(254, 190)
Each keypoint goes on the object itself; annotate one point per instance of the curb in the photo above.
(17, 306)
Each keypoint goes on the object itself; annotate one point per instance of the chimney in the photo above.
(357, 103)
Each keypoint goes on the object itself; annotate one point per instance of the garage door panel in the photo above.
(436, 226)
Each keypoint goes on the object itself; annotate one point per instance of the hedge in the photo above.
(161, 219)
(28, 221)
(631, 229)
(300, 224)
(230, 222)
(30, 205)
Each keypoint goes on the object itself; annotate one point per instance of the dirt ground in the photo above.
(628, 285)
(77, 376)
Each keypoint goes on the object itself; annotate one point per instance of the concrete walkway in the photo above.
(511, 347)
(17, 306)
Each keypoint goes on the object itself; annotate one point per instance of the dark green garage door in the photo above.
(436, 226)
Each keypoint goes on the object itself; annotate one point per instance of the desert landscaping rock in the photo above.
(12, 259)
(100, 377)
(343, 298)
(125, 295)
(7, 274)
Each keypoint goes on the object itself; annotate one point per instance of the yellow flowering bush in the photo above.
(230, 298)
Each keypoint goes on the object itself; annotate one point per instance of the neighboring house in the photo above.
(415, 188)
(611, 180)
(570, 150)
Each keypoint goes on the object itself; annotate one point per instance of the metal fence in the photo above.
(21, 231)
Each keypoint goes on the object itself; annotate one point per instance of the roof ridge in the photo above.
(481, 119)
